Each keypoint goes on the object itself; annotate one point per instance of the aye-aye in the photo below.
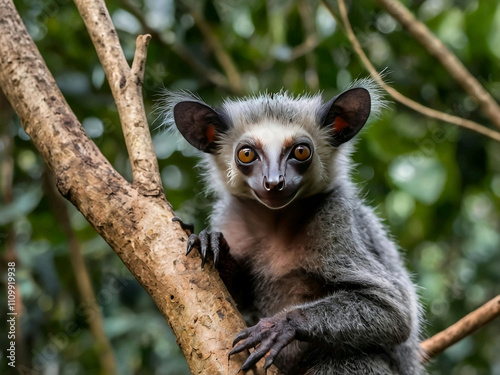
(308, 262)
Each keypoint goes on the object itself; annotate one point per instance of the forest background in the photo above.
(436, 185)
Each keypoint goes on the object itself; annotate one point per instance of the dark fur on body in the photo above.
(347, 287)
(309, 263)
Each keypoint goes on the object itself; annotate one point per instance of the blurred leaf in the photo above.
(437, 185)
(22, 205)
(420, 176)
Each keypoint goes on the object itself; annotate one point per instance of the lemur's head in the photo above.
(273, 148)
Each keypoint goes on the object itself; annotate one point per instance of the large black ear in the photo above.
(346, 114)
(199, 124)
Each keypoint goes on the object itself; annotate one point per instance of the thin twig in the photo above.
(139, 63)
(312, 40)
(126, 87)
(426, 111)
(220, 53)
(464, 327)
(303, 49)
(179, 49)
(449, 61)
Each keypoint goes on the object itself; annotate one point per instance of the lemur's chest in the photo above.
(279, 261)
(270, 249)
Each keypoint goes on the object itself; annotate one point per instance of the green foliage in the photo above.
(437, 186)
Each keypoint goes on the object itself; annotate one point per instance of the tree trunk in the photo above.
(133, 218)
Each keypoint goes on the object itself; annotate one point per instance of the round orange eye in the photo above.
(246, 155)
(301, 152)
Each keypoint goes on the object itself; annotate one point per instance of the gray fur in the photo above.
(324, 265)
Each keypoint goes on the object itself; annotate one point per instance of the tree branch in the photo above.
(426, 111)
(126, 87)
(447, 59)
(464, 327)
(138, 227)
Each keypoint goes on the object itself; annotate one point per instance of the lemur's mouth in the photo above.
(275, 200)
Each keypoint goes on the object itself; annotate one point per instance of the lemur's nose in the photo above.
(274, 183)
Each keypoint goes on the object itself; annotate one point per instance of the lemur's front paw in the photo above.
(269, 335)
(206, 242)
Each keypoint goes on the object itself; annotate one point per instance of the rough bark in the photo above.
(135, 223)
(126, 86)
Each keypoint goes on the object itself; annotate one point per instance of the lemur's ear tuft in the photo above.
(200, 124)
(346, 114)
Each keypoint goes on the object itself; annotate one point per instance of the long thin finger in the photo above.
(236, 349)
(242, 335)
(215, 246)
(184, 226)
(272, 356)
(204, 243)
(251, 342)
(256, 356)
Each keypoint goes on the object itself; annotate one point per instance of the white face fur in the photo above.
(274, 141)
(274, 148)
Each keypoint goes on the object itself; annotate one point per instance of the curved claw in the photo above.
(256, 356)
(251, 342)
(269, 361)
(242, 335)
(273, 353)
(215, 245)
(240, 348)
(269, 336)
(193, 241)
